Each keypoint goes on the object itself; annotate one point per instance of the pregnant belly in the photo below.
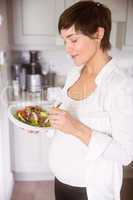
(67, 159)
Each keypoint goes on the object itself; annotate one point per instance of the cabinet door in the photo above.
(3, 26)
(29, 153)
(129, 28)
(35, 23)
(119, 13)
(65, 4)
(68, 3)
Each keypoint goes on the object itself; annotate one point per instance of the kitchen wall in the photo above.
(25, 38)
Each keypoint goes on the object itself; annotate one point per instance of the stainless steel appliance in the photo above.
(34, 82)
(34, 73)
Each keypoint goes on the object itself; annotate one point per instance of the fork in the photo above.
(55, 106)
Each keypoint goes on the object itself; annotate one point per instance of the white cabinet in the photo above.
(3, 26)
(29, 155)
(118, 9)
(129, 27)
(68, 3)
(35, 23)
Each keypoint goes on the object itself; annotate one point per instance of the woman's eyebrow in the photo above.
(70, 35)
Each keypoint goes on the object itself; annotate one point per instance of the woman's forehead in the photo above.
(67, 33)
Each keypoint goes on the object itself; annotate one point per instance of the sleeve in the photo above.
(119, 146)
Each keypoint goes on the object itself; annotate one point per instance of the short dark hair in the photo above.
(87, 16)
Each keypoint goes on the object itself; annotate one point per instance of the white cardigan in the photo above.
(108, 111)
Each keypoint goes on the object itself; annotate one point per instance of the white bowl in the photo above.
(13, 108)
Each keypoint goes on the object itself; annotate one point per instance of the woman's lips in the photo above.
(74, 56)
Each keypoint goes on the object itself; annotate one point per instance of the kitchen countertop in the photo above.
(8, 97)
(47, 94)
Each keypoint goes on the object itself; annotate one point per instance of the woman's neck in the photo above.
(94, 66)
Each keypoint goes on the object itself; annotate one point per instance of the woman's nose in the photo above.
(68, 48)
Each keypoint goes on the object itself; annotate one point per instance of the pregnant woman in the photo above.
(93, 136)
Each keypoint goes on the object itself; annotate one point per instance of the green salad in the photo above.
(34, 116)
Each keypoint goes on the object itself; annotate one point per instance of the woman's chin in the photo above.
(77, 63)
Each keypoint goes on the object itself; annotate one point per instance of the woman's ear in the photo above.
(100, 33)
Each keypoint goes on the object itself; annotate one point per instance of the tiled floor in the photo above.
(38, 190)
(44, 190)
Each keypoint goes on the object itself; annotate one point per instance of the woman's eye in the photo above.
(73, 41)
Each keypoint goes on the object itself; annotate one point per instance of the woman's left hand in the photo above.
(63, 121)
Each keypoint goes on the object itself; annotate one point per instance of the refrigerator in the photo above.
(6, 177)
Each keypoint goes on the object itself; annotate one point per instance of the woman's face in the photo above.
(79, 46)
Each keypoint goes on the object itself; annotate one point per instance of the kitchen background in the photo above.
(30, 25)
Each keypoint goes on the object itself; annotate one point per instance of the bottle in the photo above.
(34, 65)
(16, 79)
(34, 73)
(15, 71)
(23, 77)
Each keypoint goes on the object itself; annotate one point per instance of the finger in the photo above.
(58, 114)
(55, 125)
(55, 110)
(53, 113)
(52, 122)
(55, 121)
(54, 117)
